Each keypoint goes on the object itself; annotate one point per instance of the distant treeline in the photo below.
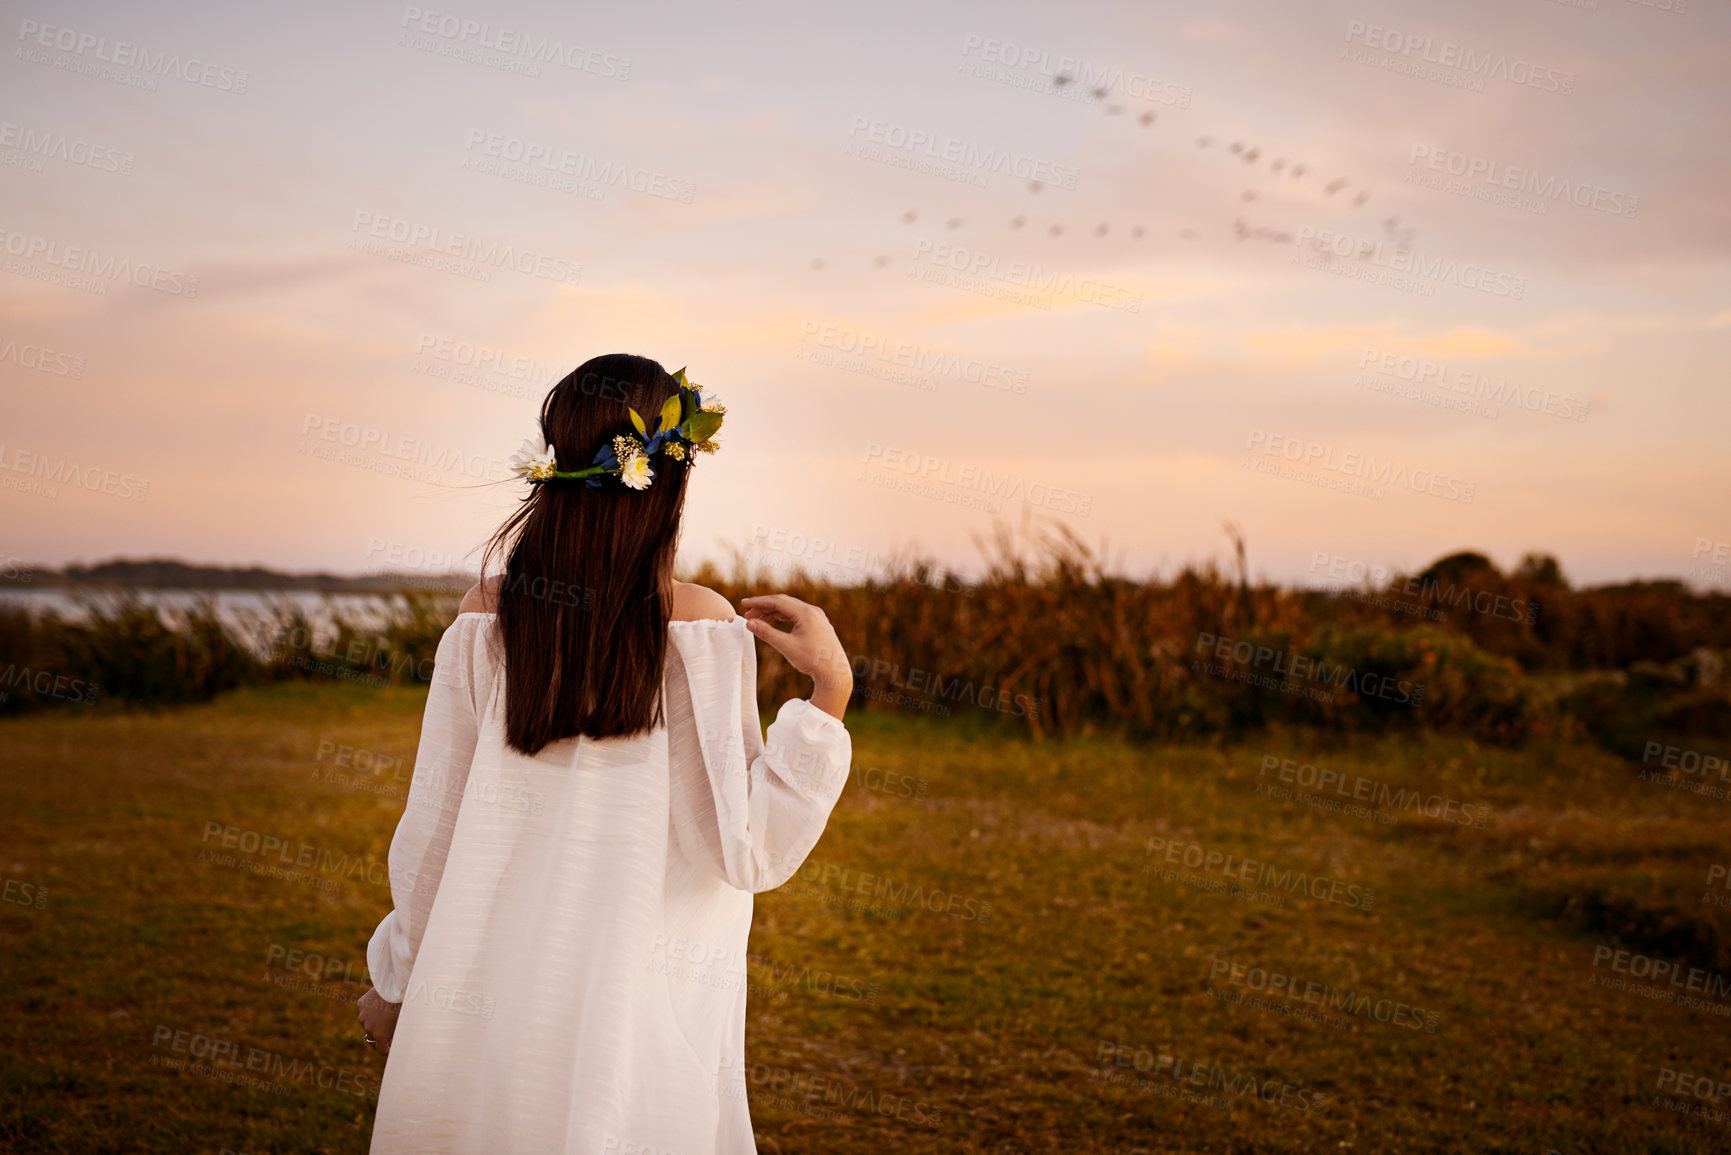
(169, 574)
(1050, 642)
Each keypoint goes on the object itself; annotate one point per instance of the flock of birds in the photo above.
(1249, 154)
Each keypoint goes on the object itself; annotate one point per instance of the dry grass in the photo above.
(995, 1027)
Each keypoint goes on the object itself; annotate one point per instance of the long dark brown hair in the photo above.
(588, 578)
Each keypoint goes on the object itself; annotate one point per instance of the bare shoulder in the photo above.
(699, 603)
(483, 598)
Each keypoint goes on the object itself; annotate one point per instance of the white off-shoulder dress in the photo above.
(569, 938)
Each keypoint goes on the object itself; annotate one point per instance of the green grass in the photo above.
(994, 1025)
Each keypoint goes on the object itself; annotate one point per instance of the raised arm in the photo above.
(746, 809)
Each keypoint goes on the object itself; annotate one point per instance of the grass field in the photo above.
(1072, 991)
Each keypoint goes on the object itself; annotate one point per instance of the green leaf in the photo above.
(703, 425)
(637, 420)
(670, 412)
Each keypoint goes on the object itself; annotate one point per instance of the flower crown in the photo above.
(685, 425)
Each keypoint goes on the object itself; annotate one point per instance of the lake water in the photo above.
(244, 612)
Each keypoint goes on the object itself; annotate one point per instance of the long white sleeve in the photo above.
(449, 731)
(744, 809)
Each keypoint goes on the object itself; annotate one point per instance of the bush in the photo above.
(129, 651)
(1623, 710)
(398, 653)
(1048, 641)
(124, 650)
(1457, 687)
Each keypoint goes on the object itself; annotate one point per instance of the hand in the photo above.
(379, 1019)
(810, 647)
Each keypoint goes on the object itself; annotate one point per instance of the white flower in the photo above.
(535, 460)
(636, 472)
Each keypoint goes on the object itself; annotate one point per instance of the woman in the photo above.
(592, 809)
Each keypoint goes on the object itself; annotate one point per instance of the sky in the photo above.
(285, 284)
